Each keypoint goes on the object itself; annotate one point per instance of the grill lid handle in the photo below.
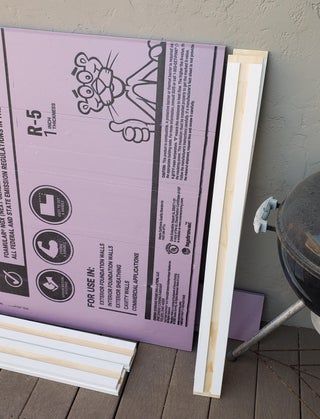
(260, 222)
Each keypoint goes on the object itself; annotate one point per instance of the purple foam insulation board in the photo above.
(106, 147)
(246, 314)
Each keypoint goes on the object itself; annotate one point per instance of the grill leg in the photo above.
(268, 328)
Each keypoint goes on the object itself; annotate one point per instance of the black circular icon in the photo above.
(53, 246)
(55, 285)
(186, 251)
(172, 248)
(13, 279)
(50, 204)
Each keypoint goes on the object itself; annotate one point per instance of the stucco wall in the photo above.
(288, 142)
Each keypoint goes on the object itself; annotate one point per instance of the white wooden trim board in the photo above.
(60, 374)
(64, 355)
(69, 335)
(229, 193)
(229, 102)
(69, 340)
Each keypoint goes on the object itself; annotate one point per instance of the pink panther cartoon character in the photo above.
(100, 87)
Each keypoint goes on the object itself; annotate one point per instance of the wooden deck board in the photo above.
(310, 400)
(15, 390)
(147, 385)
(49, 400)
(238, 390)
(274, 400)
(160, 386)
(91, 404)
(309, 338)
(180, 401)
(309, 341)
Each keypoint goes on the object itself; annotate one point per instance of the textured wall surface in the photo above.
(288, 142)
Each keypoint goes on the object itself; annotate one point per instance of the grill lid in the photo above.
(298, 224)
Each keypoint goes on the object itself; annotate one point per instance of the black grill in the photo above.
(298, 231)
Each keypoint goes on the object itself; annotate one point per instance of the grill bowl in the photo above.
(298, 232)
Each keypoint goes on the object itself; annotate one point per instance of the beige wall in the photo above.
(288, 142)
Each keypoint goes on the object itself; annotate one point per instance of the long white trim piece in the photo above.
(60, 374)
(96, 346)
(225, 228)
(64, 355)
(66, 347)
(235, 221)
(229, 103)
(33, 349)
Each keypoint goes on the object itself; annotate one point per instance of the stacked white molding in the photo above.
(68, 356)
(240, 111)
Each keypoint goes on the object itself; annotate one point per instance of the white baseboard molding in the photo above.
(61, 374)
(240, 112)
(72, 357)
(74, 341)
